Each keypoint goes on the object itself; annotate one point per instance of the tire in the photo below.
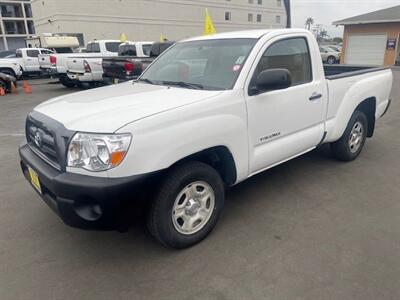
(331, 60)
(4, 85)
(65, 81)
(350, 145)
(173, 212)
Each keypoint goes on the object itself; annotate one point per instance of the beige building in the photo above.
(147, 19)
(16, 23)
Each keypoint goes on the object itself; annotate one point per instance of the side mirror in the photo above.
(272, 79)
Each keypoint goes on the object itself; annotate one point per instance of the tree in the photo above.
(323, 34)
(309, 23)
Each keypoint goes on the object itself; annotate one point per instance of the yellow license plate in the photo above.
(35, 180)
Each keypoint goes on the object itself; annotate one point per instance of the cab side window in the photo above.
(291, 54)
(32, 53)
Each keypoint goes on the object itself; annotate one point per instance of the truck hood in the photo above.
(109, 108)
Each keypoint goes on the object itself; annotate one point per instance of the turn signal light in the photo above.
(53, 60)
(87, 67)
(129, 67)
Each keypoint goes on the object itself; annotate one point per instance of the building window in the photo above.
(11, 11)
(251, 1)
(28, 10)
(250, 17)
(31, 27)
(279, 3)
(14, 27)
(259, 18)
(278, 19)
(259, 2)
(228, 16)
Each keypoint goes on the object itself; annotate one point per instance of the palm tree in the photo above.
(309, 23)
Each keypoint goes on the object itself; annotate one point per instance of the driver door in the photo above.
(285, 123)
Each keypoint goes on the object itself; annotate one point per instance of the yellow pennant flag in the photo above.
(208, 25)
(163, 38)
(123, 38)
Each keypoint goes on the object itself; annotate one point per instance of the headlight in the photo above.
(97, 152)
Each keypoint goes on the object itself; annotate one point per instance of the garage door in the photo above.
(366, 49)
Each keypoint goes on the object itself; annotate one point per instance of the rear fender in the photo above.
(376, 86)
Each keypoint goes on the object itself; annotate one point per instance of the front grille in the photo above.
(42, 141)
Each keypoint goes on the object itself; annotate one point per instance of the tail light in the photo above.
(53, 60)
(129, 67)
(87, 67)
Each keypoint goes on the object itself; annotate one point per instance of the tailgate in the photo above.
(44, 61)
(75, 65)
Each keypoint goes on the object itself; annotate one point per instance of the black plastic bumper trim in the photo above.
(82, 201)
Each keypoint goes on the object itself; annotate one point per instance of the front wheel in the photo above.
(187, 206)
(353, 140)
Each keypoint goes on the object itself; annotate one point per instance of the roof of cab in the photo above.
(250, 34)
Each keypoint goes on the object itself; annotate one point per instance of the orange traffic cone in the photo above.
(27, 87)
(2, 91)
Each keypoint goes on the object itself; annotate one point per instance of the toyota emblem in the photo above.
(38, 139)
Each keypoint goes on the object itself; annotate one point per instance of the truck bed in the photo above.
(333, 72)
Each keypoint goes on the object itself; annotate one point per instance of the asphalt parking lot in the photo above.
(312, 228)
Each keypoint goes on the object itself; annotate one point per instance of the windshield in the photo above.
(208, 64)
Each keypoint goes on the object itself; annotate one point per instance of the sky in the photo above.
(325, 12)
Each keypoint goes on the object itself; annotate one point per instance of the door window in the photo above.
(47, 52)
(93, 48)
(291, 54)
(112, 46)
(32, 53)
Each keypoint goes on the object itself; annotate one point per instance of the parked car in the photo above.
(128, 65)
(89, 70)
(208, 114)
(329, 56)
(57, 64)
(335, 48)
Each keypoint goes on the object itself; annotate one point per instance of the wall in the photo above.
(147, 19)
(391, 29)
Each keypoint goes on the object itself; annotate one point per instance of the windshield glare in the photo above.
(209, 64)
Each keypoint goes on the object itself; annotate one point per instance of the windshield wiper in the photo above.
(146, 80)
(189, 85)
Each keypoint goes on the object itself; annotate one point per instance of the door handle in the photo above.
(315, 96)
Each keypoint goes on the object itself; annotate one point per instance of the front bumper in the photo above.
(81, 201)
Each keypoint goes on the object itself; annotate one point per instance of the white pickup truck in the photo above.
(57, 64)
(25, 63)
(209, 113)
(89, 69)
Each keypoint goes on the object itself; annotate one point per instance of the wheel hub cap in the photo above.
(193, 207)
(356, 137)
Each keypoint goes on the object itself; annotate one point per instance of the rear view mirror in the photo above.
(272, 79)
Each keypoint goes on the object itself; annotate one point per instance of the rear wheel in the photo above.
(353, 140)
(67, 82)
(187, 206)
